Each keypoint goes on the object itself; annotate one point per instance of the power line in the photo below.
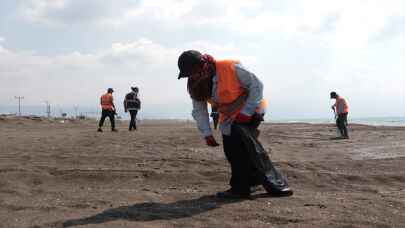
(19, 103)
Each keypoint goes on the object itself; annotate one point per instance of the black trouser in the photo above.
(107, 113)
(132, 123)
(250, 164)
(341, 123)
(244, 172)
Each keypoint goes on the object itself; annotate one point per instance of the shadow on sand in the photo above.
(153, 211)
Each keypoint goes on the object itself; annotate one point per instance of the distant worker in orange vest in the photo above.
(107, 109)
(237, 95)
(133, 105)
(341, 109)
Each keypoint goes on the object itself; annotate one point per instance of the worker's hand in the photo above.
(210, 140)
(242, 118)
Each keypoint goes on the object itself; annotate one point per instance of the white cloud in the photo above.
(343, 24)
(37, 10)
(141, 52)
(142, 62)
(354, 22)
(68, 12)
(78, 78)
(302, 48)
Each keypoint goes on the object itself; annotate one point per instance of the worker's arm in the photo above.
(201, 116)
(112, 103)
(334, 107)
(253, 85)
(139, 103)
(125, 105)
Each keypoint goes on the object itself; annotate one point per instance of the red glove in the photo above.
(242, 118)
(210, 140)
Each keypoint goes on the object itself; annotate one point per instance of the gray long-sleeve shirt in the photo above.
(249, 82)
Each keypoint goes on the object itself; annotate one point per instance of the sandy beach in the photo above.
(65, 174)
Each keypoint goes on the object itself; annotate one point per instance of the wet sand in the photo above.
(55, 174)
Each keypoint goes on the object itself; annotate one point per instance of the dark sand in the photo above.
(55, 174)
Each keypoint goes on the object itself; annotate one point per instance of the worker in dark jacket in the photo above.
(132, 104)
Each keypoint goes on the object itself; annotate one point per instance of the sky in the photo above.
(68, 52)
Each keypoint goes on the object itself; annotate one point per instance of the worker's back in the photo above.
(107, 101)
(341, 105)
(132, 101)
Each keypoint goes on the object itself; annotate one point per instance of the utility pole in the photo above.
(19, 103)
(76, 108)
(48, 109)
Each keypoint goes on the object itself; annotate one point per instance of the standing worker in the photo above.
(132, 104)
(108, 109)
(238, 96)
(341, 109)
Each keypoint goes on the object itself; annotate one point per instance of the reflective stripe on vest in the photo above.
(133, 100)
(230, 95)
(106, 101)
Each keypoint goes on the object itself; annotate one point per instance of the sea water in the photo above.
(374, 121)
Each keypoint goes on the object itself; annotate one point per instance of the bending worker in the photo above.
(107, 110)
(238, 96)
(341, 109)
(132, 104)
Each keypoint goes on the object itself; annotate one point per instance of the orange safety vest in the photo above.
(107, 101)
(231, 97)
(345, 106)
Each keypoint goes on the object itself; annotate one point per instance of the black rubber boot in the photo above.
(279, 191)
